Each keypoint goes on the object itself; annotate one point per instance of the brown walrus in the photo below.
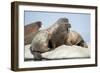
(30, 30)
(74, 38)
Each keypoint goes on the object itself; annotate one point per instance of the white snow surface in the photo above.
(62, 51)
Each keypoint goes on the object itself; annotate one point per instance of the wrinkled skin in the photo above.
(57, 37)
(74, 38)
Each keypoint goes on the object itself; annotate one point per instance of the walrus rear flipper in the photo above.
(83, 44)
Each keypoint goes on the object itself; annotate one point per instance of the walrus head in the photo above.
(32, 27)
(64, 22)
(39, 23)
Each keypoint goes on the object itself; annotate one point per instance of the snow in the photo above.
(67, 52)
(62, 51)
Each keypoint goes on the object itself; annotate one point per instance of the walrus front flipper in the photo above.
(36, 54)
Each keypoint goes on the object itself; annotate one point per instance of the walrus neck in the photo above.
(52, 28)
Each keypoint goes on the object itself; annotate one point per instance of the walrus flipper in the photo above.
(36, 54)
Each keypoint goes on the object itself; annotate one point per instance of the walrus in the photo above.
(57, 36)
(39, 44)
(30, 30)
(74, 38)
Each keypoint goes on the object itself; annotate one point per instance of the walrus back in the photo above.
(40, 42)
(74, 37)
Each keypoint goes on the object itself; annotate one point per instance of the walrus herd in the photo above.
(54, 36)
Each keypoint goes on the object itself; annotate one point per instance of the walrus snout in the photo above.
(69, 25)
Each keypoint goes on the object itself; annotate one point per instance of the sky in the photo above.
(80, 22)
